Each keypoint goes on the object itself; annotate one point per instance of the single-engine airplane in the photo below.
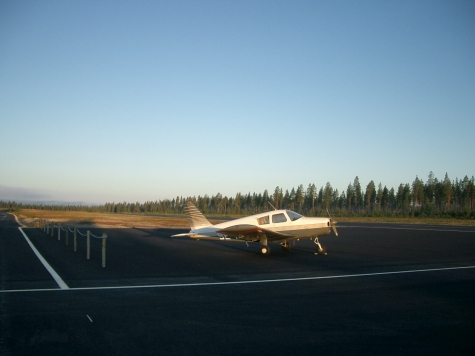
(272, 226)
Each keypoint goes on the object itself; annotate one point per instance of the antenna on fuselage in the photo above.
(273, 207)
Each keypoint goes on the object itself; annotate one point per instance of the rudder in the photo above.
(195, 217)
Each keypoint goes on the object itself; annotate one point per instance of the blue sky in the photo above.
(119, 100)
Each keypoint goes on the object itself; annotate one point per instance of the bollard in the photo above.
(75, 239)
(104, 238)
(67, 235)
(88, 245)
(59, 232)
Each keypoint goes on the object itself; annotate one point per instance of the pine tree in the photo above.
(358, 193)
(277, 197)
(327, 195)
(379, 195)
(299, 197)
(311, 196)
(447, 188)
(370, 196)
(350, 196)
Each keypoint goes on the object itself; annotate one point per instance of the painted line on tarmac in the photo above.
(16, 219)
(402, 228)
(50, 269)
(245, 282)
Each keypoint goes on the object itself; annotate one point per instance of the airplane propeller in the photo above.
(332, 223)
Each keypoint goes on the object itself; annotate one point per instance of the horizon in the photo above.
(25, 200)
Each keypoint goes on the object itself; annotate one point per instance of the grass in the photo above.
(31, 217)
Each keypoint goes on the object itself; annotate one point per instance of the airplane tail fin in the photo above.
(194, 216)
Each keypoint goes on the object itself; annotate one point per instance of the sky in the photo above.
(109, 101)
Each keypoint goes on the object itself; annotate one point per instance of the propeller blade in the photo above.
(334, 228)
(333, 223)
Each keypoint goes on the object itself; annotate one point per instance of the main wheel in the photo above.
(286, 246)
(265, 250)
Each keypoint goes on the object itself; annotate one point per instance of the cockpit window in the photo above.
(293, 215)
(278, 218)
(264, 220)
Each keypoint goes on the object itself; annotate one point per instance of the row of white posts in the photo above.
(47, 226)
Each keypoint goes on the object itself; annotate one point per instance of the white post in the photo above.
(75, 239)
(88, 245)
(104, 238)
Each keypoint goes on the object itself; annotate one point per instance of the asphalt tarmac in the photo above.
(382, 289)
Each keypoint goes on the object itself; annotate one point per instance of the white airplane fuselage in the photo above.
(303, 227)
(272, 226)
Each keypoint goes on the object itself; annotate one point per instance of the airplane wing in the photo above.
(206, 237)
(254, 232)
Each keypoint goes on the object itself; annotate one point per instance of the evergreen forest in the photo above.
(432, 198)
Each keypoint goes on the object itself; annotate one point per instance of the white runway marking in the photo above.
(16, 219)
(247, 282)
(89, 318)
(50, 269)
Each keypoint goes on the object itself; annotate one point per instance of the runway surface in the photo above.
(382, 289)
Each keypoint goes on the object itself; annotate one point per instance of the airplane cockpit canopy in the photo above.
(293, 215)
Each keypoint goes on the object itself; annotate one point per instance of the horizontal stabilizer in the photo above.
(183, 235)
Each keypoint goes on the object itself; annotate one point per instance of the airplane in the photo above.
(273, 226)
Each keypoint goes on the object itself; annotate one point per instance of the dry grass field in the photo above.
(31, 217)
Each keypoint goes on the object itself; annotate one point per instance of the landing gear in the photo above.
(285, 246)
(265, 250)
(320, 249)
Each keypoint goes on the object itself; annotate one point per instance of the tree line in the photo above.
(432, 198)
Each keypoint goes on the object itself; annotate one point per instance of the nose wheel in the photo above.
(320, 250)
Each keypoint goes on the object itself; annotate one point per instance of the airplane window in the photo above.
(264, 220)
(293, 215)
(278, 218)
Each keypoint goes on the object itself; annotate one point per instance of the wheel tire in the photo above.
(322, 251)
(286, 247)
(265, 250)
